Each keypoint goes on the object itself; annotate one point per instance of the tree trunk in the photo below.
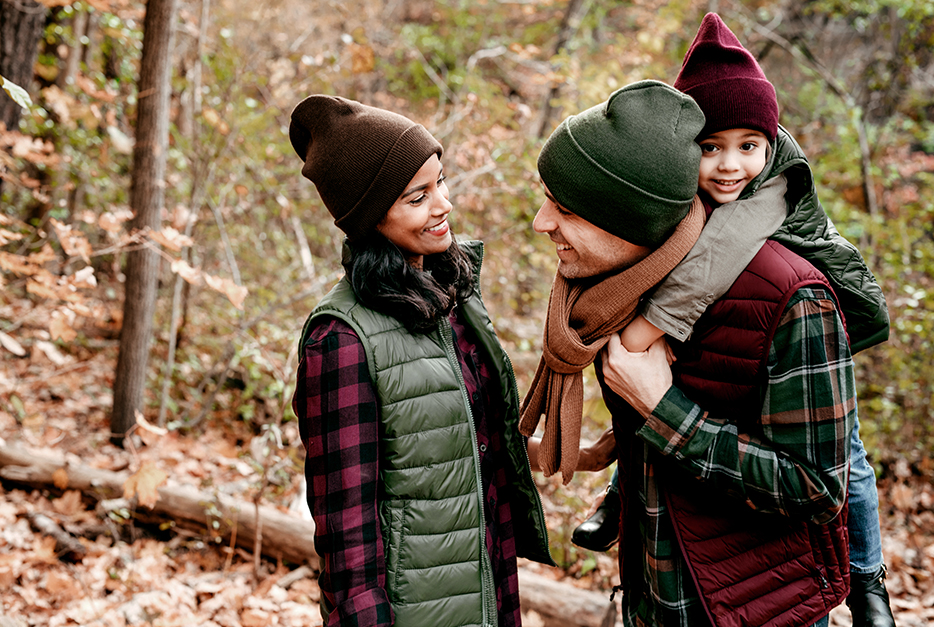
(147, 196)
(564, 35)
(79, 29)
(21, 24)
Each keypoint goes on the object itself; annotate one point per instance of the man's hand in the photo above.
(641, 379)
(598, 455)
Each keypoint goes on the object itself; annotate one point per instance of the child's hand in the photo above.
(598, 455)
(641, 379)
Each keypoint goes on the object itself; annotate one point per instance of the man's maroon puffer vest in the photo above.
(751, 568)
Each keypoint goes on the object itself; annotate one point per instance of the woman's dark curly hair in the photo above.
(385, 282)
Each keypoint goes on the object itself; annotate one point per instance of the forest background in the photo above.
(244, 248)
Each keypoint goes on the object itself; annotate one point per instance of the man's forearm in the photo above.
(793, 458)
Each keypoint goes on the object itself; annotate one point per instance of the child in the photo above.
(757, 177)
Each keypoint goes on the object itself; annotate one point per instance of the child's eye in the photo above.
(417, 201)
(708, 148)
(442, 180)
(562, 210)
(748, 146)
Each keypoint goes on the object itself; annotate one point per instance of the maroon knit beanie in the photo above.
(360, 158)
(725, 80)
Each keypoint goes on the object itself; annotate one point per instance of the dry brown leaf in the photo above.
(83, 278)
(42, 290)
(60, 325)
(60, 478)
(17, 264)
(88, 86)
(171, 239)
(62, 585)
(43, 550)
(902, 497)
(113, 221)
(254, 618)
(9, 236)
(44, 255)
(184, 270)
(8, 577)
(363, 59)
(73, 242)
(144, 484)
(213, 118)
(236, 294)
(69, 503)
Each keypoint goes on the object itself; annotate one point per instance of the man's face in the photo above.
(584, 250)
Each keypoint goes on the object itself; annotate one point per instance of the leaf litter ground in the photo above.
(136, 574)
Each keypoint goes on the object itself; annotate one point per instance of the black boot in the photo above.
(600, 531)
(869, 601)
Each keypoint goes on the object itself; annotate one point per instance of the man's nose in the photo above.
(544, 220)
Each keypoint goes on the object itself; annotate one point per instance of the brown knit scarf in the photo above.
(581, 318)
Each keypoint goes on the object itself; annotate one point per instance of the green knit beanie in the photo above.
(629, 165)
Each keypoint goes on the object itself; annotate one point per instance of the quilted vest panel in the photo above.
(733, 553)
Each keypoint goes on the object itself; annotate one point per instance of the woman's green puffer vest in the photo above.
(431, 506)
(808, 232)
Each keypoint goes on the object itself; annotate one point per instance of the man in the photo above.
(733, 460)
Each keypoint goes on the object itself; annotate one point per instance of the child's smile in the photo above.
(730, 159)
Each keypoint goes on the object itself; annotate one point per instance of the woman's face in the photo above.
(417, 222)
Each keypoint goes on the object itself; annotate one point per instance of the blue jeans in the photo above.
(822, 622)
(863, 521)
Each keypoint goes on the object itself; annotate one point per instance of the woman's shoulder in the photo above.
(325, 326)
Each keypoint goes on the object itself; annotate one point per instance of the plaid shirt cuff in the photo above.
(368, 609)
(673, 423)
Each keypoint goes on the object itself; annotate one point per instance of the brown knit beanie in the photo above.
(360, 158)
(727, 83)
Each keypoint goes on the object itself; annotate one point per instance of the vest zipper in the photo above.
(488, 589)
(540, 512)
(528, 466)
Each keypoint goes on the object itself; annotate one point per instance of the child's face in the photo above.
(730, 159)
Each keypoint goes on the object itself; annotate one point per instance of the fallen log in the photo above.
(563, 604)
(214, 515)
(285, 536)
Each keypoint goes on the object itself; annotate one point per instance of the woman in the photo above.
(418, 479)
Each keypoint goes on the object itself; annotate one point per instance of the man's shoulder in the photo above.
(778, 271)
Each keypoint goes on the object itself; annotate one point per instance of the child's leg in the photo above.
(863, 520)
(868, 598)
